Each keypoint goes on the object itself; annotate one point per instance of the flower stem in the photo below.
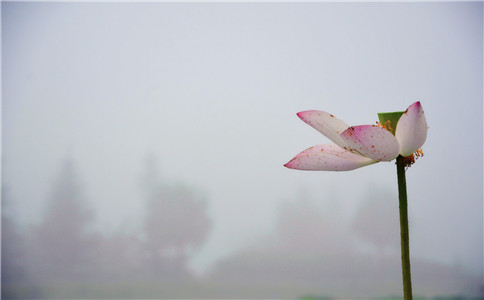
(404, 241)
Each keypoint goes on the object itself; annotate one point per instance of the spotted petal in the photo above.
(328, 157)
(326, 123)
(371, 141)
(411, 131)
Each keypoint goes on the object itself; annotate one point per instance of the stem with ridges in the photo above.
(404, 240)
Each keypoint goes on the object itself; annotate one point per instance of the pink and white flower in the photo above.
(358, 146)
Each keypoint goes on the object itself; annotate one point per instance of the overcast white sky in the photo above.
(212, 90)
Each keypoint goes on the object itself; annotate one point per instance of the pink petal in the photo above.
(326, 123)
(328, 157)
(371, 141)
(411, 130)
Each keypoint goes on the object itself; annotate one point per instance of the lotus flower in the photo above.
(358, 146)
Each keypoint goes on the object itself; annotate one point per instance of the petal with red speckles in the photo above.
(371, 141)
(326, 123)
(328, 157)
(411, 131)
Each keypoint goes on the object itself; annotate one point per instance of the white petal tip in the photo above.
(411, 131)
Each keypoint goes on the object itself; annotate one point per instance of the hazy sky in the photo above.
(212, 90)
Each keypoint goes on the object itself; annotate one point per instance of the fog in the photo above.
(143, 147)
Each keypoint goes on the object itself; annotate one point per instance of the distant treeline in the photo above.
(309, 253)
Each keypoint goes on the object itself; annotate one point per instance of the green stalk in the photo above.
(404, 241)
(390, 121)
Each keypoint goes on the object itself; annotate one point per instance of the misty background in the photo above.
(143, 147)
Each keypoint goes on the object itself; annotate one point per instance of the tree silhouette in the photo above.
(176, 222)
(61, 242)
(14, 254)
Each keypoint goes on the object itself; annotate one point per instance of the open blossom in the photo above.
(359, 146)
